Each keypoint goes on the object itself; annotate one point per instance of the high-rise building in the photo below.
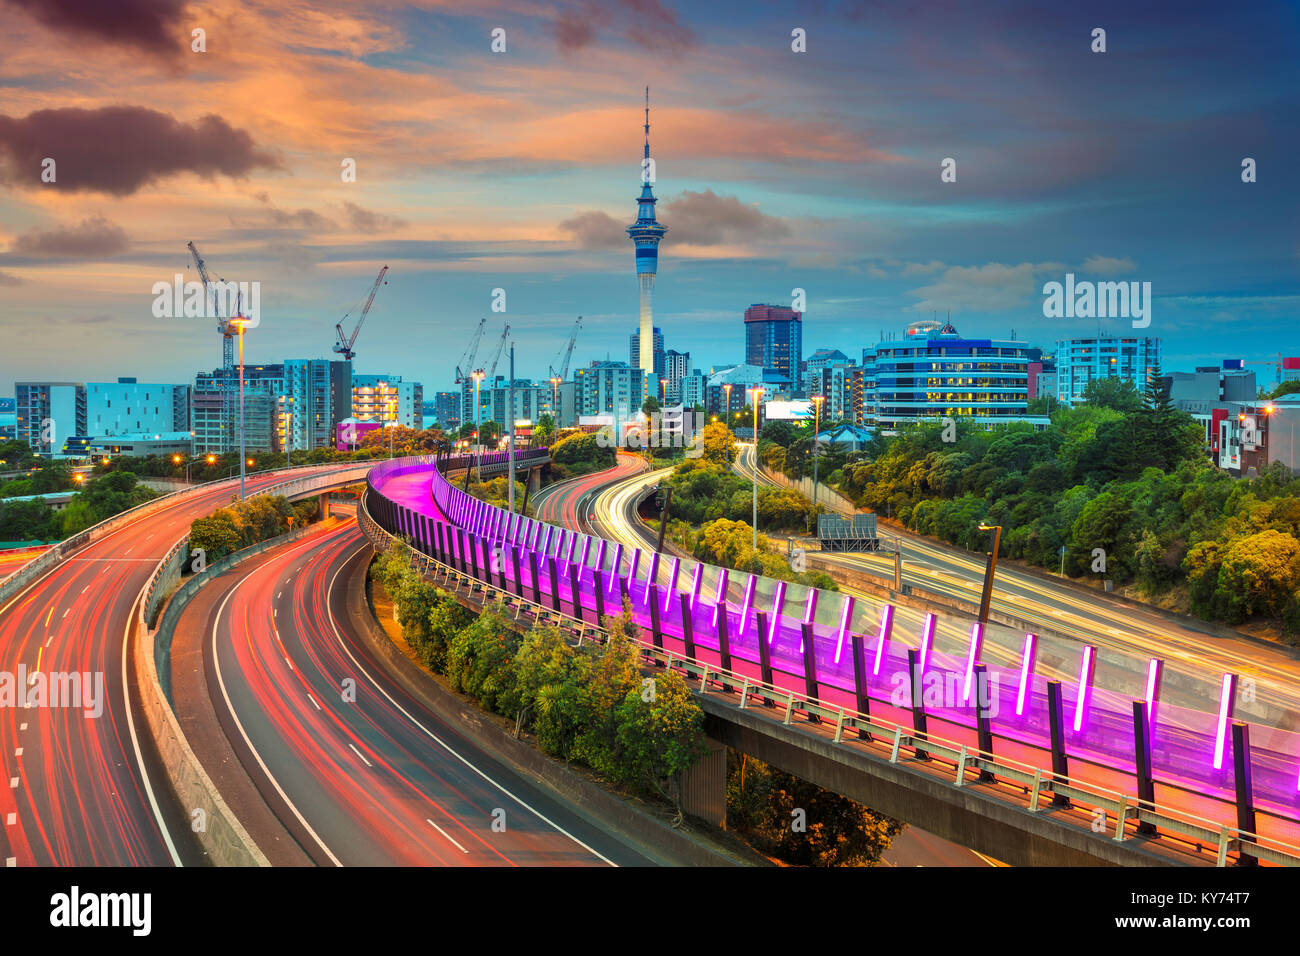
(933, 373)
(47, 414)
(645, 234)
(677, 365)
(1080, 361)
(386, 398)
(126, 407)
(262, 418)
(607, 388)
(842, 388)
(317, 395)
(634, 352)
(446, 407)
(774, 339)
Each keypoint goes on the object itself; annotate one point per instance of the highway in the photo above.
(570, 502)
(11, 561)
(83, 789)
(1088, 617)
(611, 512)
(379, 779)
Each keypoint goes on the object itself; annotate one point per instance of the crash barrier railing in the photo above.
(835, 666)
(33, 569)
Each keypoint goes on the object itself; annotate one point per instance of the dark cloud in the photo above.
(596, 230)
(707, 219)
(363, 220)
(120, 149)
(91, 239)
(645, 23)
(150, 25)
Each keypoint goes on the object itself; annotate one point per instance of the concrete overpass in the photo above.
(1030, 788)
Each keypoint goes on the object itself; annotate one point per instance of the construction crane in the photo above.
(227, 330)
(345, 342)
(496, 356)
(568, 353)
(471, 350)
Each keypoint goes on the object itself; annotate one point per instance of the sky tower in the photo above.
(645, 234)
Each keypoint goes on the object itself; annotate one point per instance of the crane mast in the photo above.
(346, 342)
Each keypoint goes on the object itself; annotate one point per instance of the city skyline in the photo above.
(1123, 165)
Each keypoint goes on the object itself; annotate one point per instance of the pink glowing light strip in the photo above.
(631, 573)
(1085, 687)
(846, 618)
(1154, 669)
(886, 625)
(778, 599)
(651, 569)
(546, 542)
(1225, 714)
(516, 523)
(976, 637)
(746, 605)
(811, 608)
(600, 559)
(573, 543)
(696, 581)
(672, 584)
(1026, 672)
(927, 638)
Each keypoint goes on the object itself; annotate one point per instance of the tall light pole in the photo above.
(990, 566)
(555, 402)
(756, 394)
(511, 451)
(239, 324)
(478, 443)
(817, 427)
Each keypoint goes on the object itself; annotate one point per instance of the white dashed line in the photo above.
(361, 755)
(289, 662)
(11, 819)
(446, 834)
(277, 595)
(22, 726)
(13, 783)
(313, 700)
(85, 589)
(10, 861)
(65, 613)
(18, 752)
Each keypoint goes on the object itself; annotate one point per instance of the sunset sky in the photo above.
(519, 170)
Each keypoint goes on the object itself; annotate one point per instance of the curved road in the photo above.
(373, 777)
(80, 788)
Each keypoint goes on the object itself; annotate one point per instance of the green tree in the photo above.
(1113, 392)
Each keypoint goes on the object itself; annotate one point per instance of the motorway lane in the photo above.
(568, 502)
(87, 790)
(1131, 632)
(378, 780)
(12, 561)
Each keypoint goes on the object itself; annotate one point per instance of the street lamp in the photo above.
(238, 322)
(990, 566)
(478, 448)
(756, 392)
(555, 400)
(817, 427)
(212, 460)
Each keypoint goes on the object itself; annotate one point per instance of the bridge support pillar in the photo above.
(703, 787)
(324, 505)
(534, 480)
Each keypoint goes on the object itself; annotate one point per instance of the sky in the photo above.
(776, 170)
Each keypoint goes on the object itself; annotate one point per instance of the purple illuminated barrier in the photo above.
(537, 562)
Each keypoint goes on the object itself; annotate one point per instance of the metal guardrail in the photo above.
(38, 566)
(1124, 808)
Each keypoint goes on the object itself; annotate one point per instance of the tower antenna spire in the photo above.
(647, 122)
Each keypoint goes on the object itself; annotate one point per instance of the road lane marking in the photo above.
(537, 813)
(361, 755)
(11, 819)
(446, 834)
(10, 861)
(230, 707)
(65, 613)
(289, 662)
(22, 726)
(48, 616)
(13, 783)
(18, 752)
(85, 589)
(313, 700)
